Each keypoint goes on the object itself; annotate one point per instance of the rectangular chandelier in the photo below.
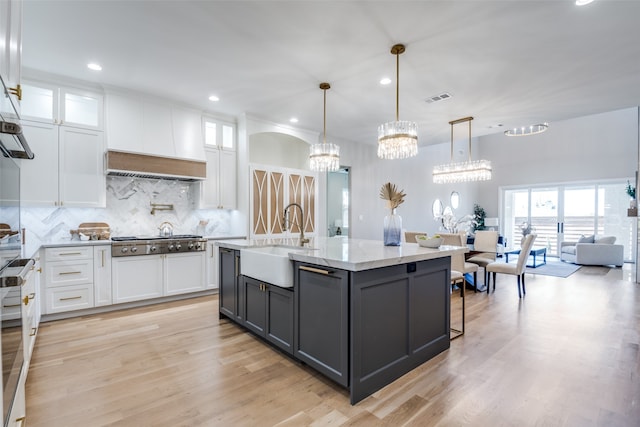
(476, 170)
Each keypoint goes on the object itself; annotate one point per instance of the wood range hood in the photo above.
(123, 163)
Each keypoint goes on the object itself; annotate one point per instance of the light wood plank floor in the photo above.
(566, 355)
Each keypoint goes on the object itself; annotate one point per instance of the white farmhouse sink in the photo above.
(270, 264)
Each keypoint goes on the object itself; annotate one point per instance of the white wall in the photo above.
(597, 147)
(601, 146)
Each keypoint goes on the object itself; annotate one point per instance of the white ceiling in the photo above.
(504, 62)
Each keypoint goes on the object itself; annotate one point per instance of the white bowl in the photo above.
(429, 242)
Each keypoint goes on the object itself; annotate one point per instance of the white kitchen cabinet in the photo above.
(150, 126)
(218, 191)
(68, 279)
(55, 104)
(68, 167)
(212, 263)
(11, 45)
(184, 272)
(102, 275)
(137, 278)
(31, 311)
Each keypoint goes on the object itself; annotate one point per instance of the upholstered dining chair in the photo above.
(486, 243)
(457, 276)
(410, 236)
(460, 239)
(516, 269)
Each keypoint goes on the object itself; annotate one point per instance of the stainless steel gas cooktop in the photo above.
(151, 245)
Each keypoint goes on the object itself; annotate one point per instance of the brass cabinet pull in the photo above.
(33, 332)
(21, 420)
(25, 300)
(69, 253)
(17, 91)
(102, 254)
(315, 270)
(69, 298)
(212, 250)
(70, 272)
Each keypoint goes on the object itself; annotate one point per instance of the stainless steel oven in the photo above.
(12, 272)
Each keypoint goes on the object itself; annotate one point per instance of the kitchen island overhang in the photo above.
(364, 313)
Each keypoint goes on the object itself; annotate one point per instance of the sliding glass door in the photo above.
(566, 212)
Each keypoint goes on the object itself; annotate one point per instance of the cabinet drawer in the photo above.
(68, 298)
(69, 253)
(69, 273)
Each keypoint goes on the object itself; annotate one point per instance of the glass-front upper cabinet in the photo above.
(219, 134)
(50, 103)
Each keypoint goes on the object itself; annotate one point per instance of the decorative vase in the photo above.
(392, 229)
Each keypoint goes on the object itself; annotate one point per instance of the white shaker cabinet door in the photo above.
(82, 180)
(185, 272)
(136, 278)
(102, 275)
(39, 176)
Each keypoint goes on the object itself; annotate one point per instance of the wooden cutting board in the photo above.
(100, 230)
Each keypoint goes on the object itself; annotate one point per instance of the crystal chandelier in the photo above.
(399, 139)
(478, 170)
(324, 157)
(524, 131)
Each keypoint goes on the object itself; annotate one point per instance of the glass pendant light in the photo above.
(324, 157)
(399, 139)
(478, 170)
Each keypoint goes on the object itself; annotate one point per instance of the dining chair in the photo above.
(517, 269)
(486, 243)
(460, 239)
(410, 236)
(457, 276)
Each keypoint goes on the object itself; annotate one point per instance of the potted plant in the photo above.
(631, 192)
(478, 217)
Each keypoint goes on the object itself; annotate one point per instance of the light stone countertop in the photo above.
(348, 254)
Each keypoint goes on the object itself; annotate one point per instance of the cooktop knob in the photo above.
(134, 249)
(124, 250)
(171, 247)
(178, 246)
(153, 248)
(191, 245)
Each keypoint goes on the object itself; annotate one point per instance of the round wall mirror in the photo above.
(455, 200)
(436, 208)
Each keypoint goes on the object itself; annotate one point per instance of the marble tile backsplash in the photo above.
(128, 212)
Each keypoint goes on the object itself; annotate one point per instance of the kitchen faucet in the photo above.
(285, 222)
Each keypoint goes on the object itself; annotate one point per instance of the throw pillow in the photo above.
(586, 239)
(609, 240)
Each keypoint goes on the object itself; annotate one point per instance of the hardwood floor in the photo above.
(566, 355)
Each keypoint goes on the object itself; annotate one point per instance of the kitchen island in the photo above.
(363, 314)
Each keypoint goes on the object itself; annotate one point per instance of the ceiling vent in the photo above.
(436, 98)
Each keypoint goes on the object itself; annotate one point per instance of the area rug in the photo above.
(555, 268)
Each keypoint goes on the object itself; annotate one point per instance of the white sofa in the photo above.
(593, 250)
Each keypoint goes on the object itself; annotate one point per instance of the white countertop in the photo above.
(349, 254)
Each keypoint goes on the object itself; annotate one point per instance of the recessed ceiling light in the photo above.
(385, 81)
(214, 98)
(93, 66)
(293, 120)
(583, 2)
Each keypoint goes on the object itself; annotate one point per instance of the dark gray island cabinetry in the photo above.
(364, 329)
(361, 313)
